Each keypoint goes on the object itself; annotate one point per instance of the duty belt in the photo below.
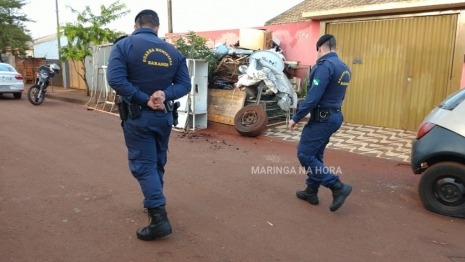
(320, 113)
(146, 108)
(330, 110)
(168, 107)
(133, 110)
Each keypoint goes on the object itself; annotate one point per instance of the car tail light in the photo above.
(424, 129)
(19, 77)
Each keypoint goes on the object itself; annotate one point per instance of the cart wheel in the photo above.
(251, 120)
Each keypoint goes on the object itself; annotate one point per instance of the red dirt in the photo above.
(66, 194)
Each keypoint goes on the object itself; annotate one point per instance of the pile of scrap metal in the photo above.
(245, 69)
(227, 72)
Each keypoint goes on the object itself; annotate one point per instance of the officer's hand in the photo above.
(159, 97)
(155, 104)
(151, 103)
(159, 106)
(292, 125)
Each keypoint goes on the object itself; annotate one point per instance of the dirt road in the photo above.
(66, 194)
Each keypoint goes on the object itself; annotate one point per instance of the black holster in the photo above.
(172, 107)
(123, 110)
(315, 116)
(134, 110)
(175, 113)
(128, 110)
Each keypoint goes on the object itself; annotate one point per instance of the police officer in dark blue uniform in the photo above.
(329, 79)
(148, 74)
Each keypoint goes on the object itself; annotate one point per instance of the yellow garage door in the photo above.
(401, 68)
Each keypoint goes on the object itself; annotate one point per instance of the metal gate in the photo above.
(401, 67)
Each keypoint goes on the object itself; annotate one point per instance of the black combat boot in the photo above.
(159, 225)
(340, 193)
(309, 194)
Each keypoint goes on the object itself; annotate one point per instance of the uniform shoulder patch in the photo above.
(120, 38)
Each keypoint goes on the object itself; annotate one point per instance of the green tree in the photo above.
(89, 30)
(193, 46)
(13, 34)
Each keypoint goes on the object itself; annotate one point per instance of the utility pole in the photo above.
(58, 31)
(170, 18)
(63, 69)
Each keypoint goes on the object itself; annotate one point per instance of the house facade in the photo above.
(296, 40)
(47, 48)
(405, 56)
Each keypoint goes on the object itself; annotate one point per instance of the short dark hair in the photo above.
(330, 44)
(327, 40)
(148, 20)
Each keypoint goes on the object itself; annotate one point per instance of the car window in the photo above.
(453, 100)
(7, 68)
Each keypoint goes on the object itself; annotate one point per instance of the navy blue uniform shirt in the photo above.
(118, 70)
(329, 79)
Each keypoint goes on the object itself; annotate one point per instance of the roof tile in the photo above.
(294, 15)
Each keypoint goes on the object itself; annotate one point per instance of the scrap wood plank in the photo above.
(224, 104)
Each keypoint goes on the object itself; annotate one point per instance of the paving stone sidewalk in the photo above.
(366, 140)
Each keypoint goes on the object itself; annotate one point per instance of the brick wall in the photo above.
(28, 68)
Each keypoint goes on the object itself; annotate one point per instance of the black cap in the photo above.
(323, 40)
(146, 12)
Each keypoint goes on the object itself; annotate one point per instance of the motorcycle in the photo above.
(36, 93)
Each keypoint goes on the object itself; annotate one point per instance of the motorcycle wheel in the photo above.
(32, 94)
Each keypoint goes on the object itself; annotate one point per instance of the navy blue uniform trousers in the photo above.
(147, 139)
(310, 151)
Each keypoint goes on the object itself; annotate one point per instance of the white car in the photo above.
(11, 82)
(438, 153)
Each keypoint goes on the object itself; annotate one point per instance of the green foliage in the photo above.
(195, 47)
(13, 34)
(90, 30)
(304, 87)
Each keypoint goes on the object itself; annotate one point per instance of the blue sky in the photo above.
(194, 15)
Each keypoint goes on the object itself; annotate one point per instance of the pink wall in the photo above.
(297, 41)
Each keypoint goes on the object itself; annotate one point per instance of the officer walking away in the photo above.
(329, 79)
(148, 74)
